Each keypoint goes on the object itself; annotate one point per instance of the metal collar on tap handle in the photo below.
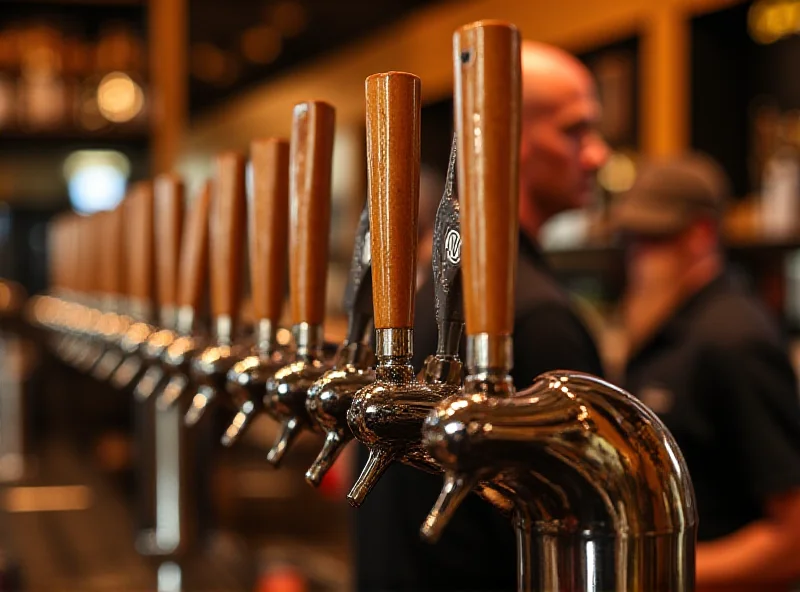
(600, 495)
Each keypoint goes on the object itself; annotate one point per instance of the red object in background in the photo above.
(333, 484)
(282, 579)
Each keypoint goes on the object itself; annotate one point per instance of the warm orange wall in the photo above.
(422, 44)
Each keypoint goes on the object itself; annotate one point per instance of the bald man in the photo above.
(560, 154)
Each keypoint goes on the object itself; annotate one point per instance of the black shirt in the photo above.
(477, 550)
(718, 375)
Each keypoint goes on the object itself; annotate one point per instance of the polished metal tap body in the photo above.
(209, 369)
(285, 396)
(177, 363)
(246, 381)
(329, 398)
(599, 491)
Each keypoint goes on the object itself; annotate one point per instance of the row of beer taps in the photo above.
(595, 486)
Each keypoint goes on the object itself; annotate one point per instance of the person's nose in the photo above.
(595, 152)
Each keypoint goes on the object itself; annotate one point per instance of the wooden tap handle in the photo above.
(486, 59)
(311, 155)
(393, 155)
(268, 226)
(141, 263)
(194, 250)
(168, 191)
(227, 234)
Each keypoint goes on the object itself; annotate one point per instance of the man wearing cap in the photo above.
(710, 361)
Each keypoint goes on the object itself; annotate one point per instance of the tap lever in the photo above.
(456, 487)
(393, 156)
(141, 251)
(358, 293)
(168, 191)
(226, 244)
(486, 58)
(310, 188)
(446, 263)
(193, 267)
(268, 205)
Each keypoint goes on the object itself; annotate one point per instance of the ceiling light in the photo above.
(119, 98)
(96, 179)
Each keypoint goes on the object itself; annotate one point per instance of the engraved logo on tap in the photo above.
(366, 252)
(452, 246)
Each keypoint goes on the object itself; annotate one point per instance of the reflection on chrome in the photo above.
(598, 491)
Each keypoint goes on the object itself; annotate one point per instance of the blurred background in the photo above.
(97, 94)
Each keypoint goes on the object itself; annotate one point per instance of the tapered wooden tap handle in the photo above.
(486, 57)
(393, 156)
(140, 243)
(169, 200)
(311, 156)
(193, 269)
(227, 234)
(268, 230)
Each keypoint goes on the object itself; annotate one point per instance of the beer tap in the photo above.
(597, 488)
(268, 229)
(311, 153)
(121, 363)
(169, 200)
(191, 338)
(94, 266)
(386, 416)
(330, 397)
(116, 268)
(209, 369)
(142, 281)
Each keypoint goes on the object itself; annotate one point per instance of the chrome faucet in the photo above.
(598, 491)
(311, 153)
(268, 228)
(329, 398)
